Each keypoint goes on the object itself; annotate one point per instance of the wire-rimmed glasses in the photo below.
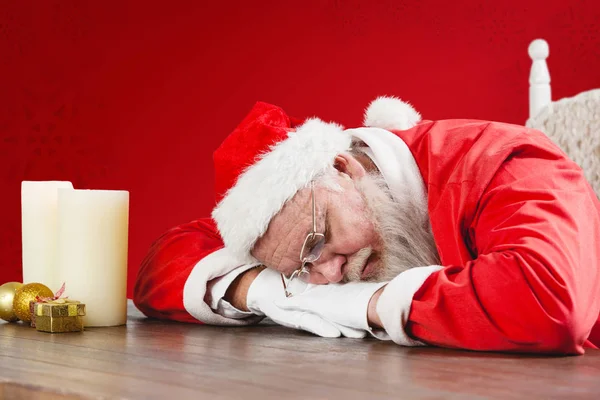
(312, 248)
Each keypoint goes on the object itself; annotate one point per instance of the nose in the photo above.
(328, 270)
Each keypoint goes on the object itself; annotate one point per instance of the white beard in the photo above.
(404, 229)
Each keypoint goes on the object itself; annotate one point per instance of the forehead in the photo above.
(280, 246)
(296, 215)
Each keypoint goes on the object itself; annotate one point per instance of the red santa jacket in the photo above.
(517, 228)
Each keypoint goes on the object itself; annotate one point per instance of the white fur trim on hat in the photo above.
(390, 113)
(260, 192)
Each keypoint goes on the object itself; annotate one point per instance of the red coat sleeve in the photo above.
(159, 286)
(533, 284)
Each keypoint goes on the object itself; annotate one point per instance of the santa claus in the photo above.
(457, 233)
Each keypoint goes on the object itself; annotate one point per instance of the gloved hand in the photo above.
(267, 289)
(341, 304)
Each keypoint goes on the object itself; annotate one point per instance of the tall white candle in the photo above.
(38, 230)
(93, 228)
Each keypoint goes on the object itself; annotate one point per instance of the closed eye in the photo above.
(327, 228)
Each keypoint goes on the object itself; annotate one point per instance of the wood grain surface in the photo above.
(148, 359)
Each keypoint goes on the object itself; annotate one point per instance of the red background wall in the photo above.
(129, 95)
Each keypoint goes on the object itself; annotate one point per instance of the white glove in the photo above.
(342, 304)
(267, 289)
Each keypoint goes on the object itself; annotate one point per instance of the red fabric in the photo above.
(262, 128)
(518, 228)
(158, 290)
(594, 339)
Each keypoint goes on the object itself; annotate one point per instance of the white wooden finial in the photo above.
(538, 49)
(540, 94)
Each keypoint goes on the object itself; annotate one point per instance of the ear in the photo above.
(347, 164)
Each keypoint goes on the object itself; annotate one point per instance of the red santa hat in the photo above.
(270, 156)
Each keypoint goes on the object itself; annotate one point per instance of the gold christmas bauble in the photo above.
(24, 295)
(7, 295)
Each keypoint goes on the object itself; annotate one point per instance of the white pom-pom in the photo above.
(390, 113)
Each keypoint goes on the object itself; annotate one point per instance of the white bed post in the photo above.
(540, 94)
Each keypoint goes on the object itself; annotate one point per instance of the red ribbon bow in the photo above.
(56, 296)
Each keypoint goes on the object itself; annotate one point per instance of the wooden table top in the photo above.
(148, 359)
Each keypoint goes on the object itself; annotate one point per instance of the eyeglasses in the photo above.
(311, 251)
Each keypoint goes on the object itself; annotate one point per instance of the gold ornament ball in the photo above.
(24, 295)
(7, 295)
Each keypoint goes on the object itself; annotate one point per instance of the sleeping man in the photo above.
(457, 233)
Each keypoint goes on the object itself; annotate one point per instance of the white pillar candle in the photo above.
(38, 230)
(93, 230)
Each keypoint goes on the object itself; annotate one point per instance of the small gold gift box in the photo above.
(60, 315)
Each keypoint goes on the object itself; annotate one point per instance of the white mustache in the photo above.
(356, 264)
